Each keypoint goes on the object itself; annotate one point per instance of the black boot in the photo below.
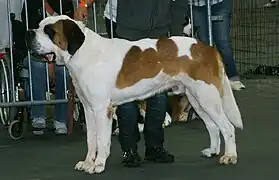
(158, 154)
(131, 158)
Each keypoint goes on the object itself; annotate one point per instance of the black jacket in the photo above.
(35, 10)
(145, 18)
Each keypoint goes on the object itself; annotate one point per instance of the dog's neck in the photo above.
(92, 39)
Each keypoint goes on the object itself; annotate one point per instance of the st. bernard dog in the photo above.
(110, 72)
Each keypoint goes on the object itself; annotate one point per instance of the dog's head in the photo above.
(57, 38)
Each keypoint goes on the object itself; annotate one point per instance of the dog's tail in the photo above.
(229, 104)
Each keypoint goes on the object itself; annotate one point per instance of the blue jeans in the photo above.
(39, 85)
(221, 27)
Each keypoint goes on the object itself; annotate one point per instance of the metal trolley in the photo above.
(13, 87)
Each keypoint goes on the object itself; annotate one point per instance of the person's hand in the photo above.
(81, 13)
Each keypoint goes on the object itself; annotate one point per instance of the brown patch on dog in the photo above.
(110, 111)
(142, 105)
(66, 35)
(137, 64)
(178, 104)
(57, 35)
(207, 65)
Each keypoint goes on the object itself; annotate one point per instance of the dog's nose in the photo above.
(30, 35)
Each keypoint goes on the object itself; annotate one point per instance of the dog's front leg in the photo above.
(88, 164)
(104, 124)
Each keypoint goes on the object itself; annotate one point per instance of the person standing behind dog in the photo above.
(82, 14)
(108, 16)
(38, 69)
(137, 20)
(221, 26)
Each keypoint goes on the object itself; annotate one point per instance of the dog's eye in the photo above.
(49, 31)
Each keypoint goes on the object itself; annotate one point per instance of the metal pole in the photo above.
(209, 22)
(28, 54)
(47, 70)
(34, 103)
(64, 68)
(110, 15)
(11, 49)
(95, 18)
(192, 19)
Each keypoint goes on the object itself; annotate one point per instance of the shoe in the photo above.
(272, 3)
(38, 124)
(115, 132)
(131, 158)
(158, 154)
(141, 127)
(237, 85)
(167, 121)
(114, 125)
(60, 128)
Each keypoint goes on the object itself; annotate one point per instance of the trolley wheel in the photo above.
(16, 129)
(4, 90)
(7, 114)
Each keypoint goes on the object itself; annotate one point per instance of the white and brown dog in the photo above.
(110, 72)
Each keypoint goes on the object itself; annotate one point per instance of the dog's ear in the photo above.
(73, 35)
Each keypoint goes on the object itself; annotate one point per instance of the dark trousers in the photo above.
(128, 117)
(178, 10)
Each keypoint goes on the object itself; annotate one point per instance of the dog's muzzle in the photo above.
(29, 38)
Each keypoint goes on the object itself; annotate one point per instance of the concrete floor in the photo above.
(52, 158)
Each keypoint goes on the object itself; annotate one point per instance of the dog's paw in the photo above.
(86, 166)
(99, 168)
(100, 164)
(228, 159)
(183, 116)
(209, 152)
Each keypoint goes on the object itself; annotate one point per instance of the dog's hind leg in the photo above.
(209, 99)
(88, 164)
(212, 128)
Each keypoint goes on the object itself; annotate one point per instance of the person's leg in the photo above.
(153, 129)
(178, 11)
(221, 27)
(60, 109)
(127, 115)
(38, 113)
(200, 23)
